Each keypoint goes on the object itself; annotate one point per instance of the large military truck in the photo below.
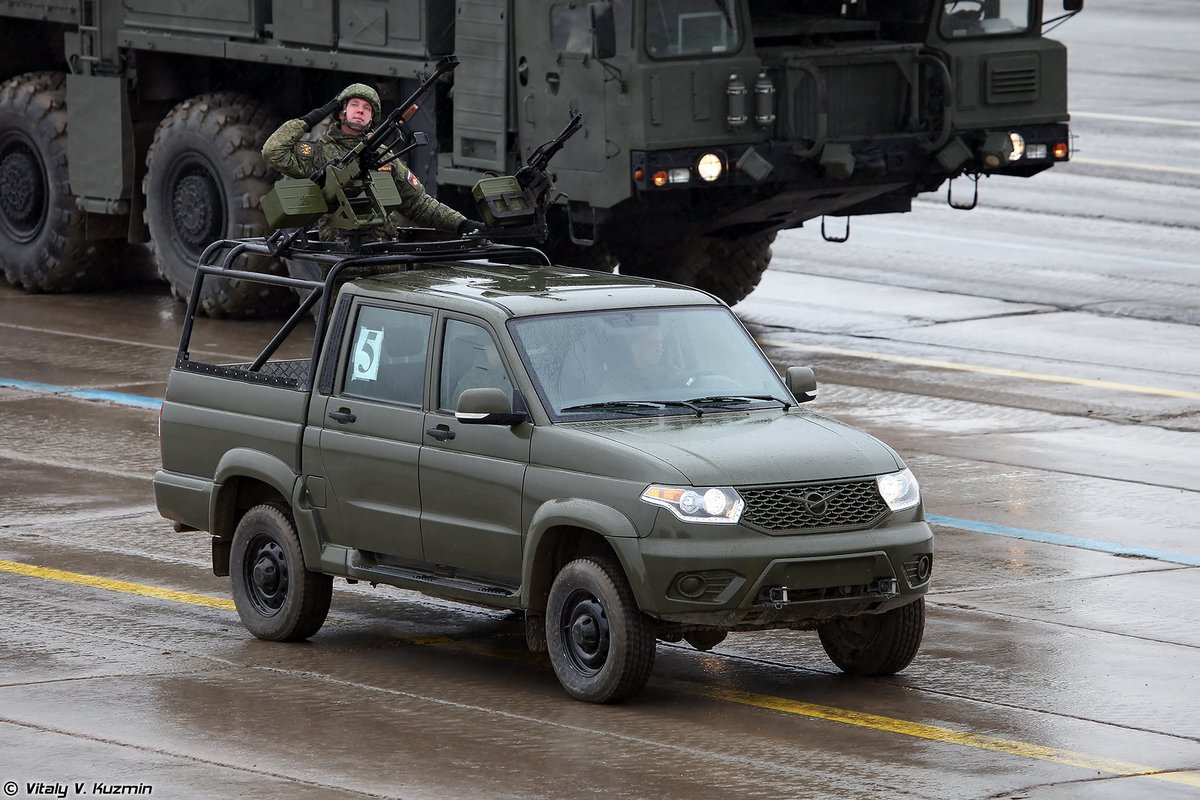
(709, 125)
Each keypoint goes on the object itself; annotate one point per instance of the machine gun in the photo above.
(351, 191)
(516, 204)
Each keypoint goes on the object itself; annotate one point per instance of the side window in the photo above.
(571, 27)
(388, 353)
(470, 360)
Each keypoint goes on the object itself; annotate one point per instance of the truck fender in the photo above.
(255, 465)
(580, 514)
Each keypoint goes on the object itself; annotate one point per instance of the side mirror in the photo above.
(604, 29)
(802, 383)
(487, 406)
(1073, 6)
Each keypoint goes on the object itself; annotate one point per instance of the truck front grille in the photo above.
(809, 507)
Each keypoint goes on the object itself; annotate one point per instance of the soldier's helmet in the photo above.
(363, 92)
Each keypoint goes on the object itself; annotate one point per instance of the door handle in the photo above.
(441, 433)
(343, 416)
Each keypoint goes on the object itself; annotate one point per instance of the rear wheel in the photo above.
(727, 268)
(601, 645)
(276, 597)
(875, 644)
(204, 178)
(43, 234)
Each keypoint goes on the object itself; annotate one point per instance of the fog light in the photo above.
(709, 167)
(1036, 152)
(691, 585)
(680, 175)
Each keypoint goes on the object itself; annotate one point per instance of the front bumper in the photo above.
(737, 579)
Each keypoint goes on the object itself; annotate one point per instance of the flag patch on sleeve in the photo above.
(413, 180)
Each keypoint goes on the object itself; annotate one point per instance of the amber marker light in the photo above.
(638, 174)
(1061, 150)
(660, 178)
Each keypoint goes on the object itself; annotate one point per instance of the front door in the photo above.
(372, 433)
(472, 475)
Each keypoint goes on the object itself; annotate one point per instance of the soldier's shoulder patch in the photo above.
(413, 180)
(305, 149)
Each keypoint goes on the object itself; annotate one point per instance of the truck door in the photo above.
(373, 430)
(557, 75)
(472, 475)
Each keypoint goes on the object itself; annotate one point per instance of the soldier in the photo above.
(357, 108)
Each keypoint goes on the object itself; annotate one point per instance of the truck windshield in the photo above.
(966, 19)
(678, 28)
(646, 362)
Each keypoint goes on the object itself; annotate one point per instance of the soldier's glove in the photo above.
(470, 227)
(317, 114)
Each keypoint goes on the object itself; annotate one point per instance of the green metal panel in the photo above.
(243, 18)
(480, 108)
(304, 21)
(100, 149)
(50, 11)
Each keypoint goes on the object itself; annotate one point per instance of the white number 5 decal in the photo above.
(366, 354)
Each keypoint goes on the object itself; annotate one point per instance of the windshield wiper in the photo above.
(738, 399)
(627, 406)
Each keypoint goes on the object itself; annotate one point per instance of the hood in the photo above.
(753, 448)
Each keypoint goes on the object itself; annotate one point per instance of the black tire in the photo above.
(875, 644)
(43, 235)
(601, 645)
(727, 268)
(204, 178)
(276, 597)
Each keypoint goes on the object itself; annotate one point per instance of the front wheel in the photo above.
(601, 646)
(875, 644)
(276, 597)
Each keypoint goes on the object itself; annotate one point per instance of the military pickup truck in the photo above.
(612, 456)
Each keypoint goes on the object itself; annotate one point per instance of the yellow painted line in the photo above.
(1000, 371)
(782, 704)
(945, 735)
(126, 587)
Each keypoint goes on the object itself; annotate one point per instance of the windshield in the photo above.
(963, 19)
(677, 28)
(646, 362)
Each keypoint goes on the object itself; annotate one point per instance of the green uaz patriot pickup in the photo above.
(611, 456)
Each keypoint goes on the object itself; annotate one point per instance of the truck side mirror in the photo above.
(487, 406)
(604, 29)
(802, 383)
(1073, 6)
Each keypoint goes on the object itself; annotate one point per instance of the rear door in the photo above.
(372, 430)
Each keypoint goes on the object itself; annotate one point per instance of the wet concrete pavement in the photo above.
(1035, 361)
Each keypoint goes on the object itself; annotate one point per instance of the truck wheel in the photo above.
(204, 177)
(601, 646)
(276, 597)
(43, 236)
(875, 644)
(727, 268)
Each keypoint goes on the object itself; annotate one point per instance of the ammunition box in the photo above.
(502, 202)
(293, 202)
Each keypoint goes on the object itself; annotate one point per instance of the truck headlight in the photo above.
(899, 490)
(709, 167)
(720, 505)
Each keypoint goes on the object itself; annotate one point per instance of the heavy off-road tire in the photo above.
(875, 644)
(276, 597)
(601, 645)
(204, 178)
(43, 234)
(727, 268)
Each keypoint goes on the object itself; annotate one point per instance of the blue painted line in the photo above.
(1010, 532)
(120, 398)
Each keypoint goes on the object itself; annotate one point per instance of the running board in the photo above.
(484, 592)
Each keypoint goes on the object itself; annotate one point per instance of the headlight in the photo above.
(709, 166)
(899, 490)
(721, 505)
(1018, 143)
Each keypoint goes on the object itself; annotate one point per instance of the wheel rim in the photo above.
(585, 631)
(24, 198)
(266, 575)
(196, 200)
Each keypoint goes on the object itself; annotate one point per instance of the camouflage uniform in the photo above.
(285, 152)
